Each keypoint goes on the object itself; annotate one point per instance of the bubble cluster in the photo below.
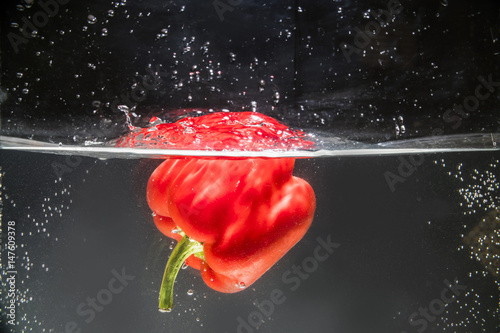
(483, 241)
(36, 227)
(479, 188)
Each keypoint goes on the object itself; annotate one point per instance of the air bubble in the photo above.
(162, 34)
(254, 106)
(165, 310)
(276, 97)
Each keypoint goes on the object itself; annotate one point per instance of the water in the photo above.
(324, 146)
(81, 221)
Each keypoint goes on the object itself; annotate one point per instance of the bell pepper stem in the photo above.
(184, 248)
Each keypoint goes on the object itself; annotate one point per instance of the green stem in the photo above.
(184, 248)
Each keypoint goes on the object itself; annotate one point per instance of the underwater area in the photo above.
(389, 112)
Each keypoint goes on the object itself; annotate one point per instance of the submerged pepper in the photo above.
(237, 217)
(233, 218)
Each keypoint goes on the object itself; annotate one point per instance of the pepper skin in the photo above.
(247, 213)
(230, 131)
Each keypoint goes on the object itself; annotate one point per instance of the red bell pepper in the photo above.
(250, 131)
(233, 218)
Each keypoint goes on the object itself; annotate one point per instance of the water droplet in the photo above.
(104, 32)
(204, 48)
(14, 25)
(25, 91)
(165, 310)
(162, 34)
(276, 97)
(111, 13)
(262, 85)
(19, 75)
(241, 285)
(190, 292)
(232, 57)
(91, 19)
(254, 106)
